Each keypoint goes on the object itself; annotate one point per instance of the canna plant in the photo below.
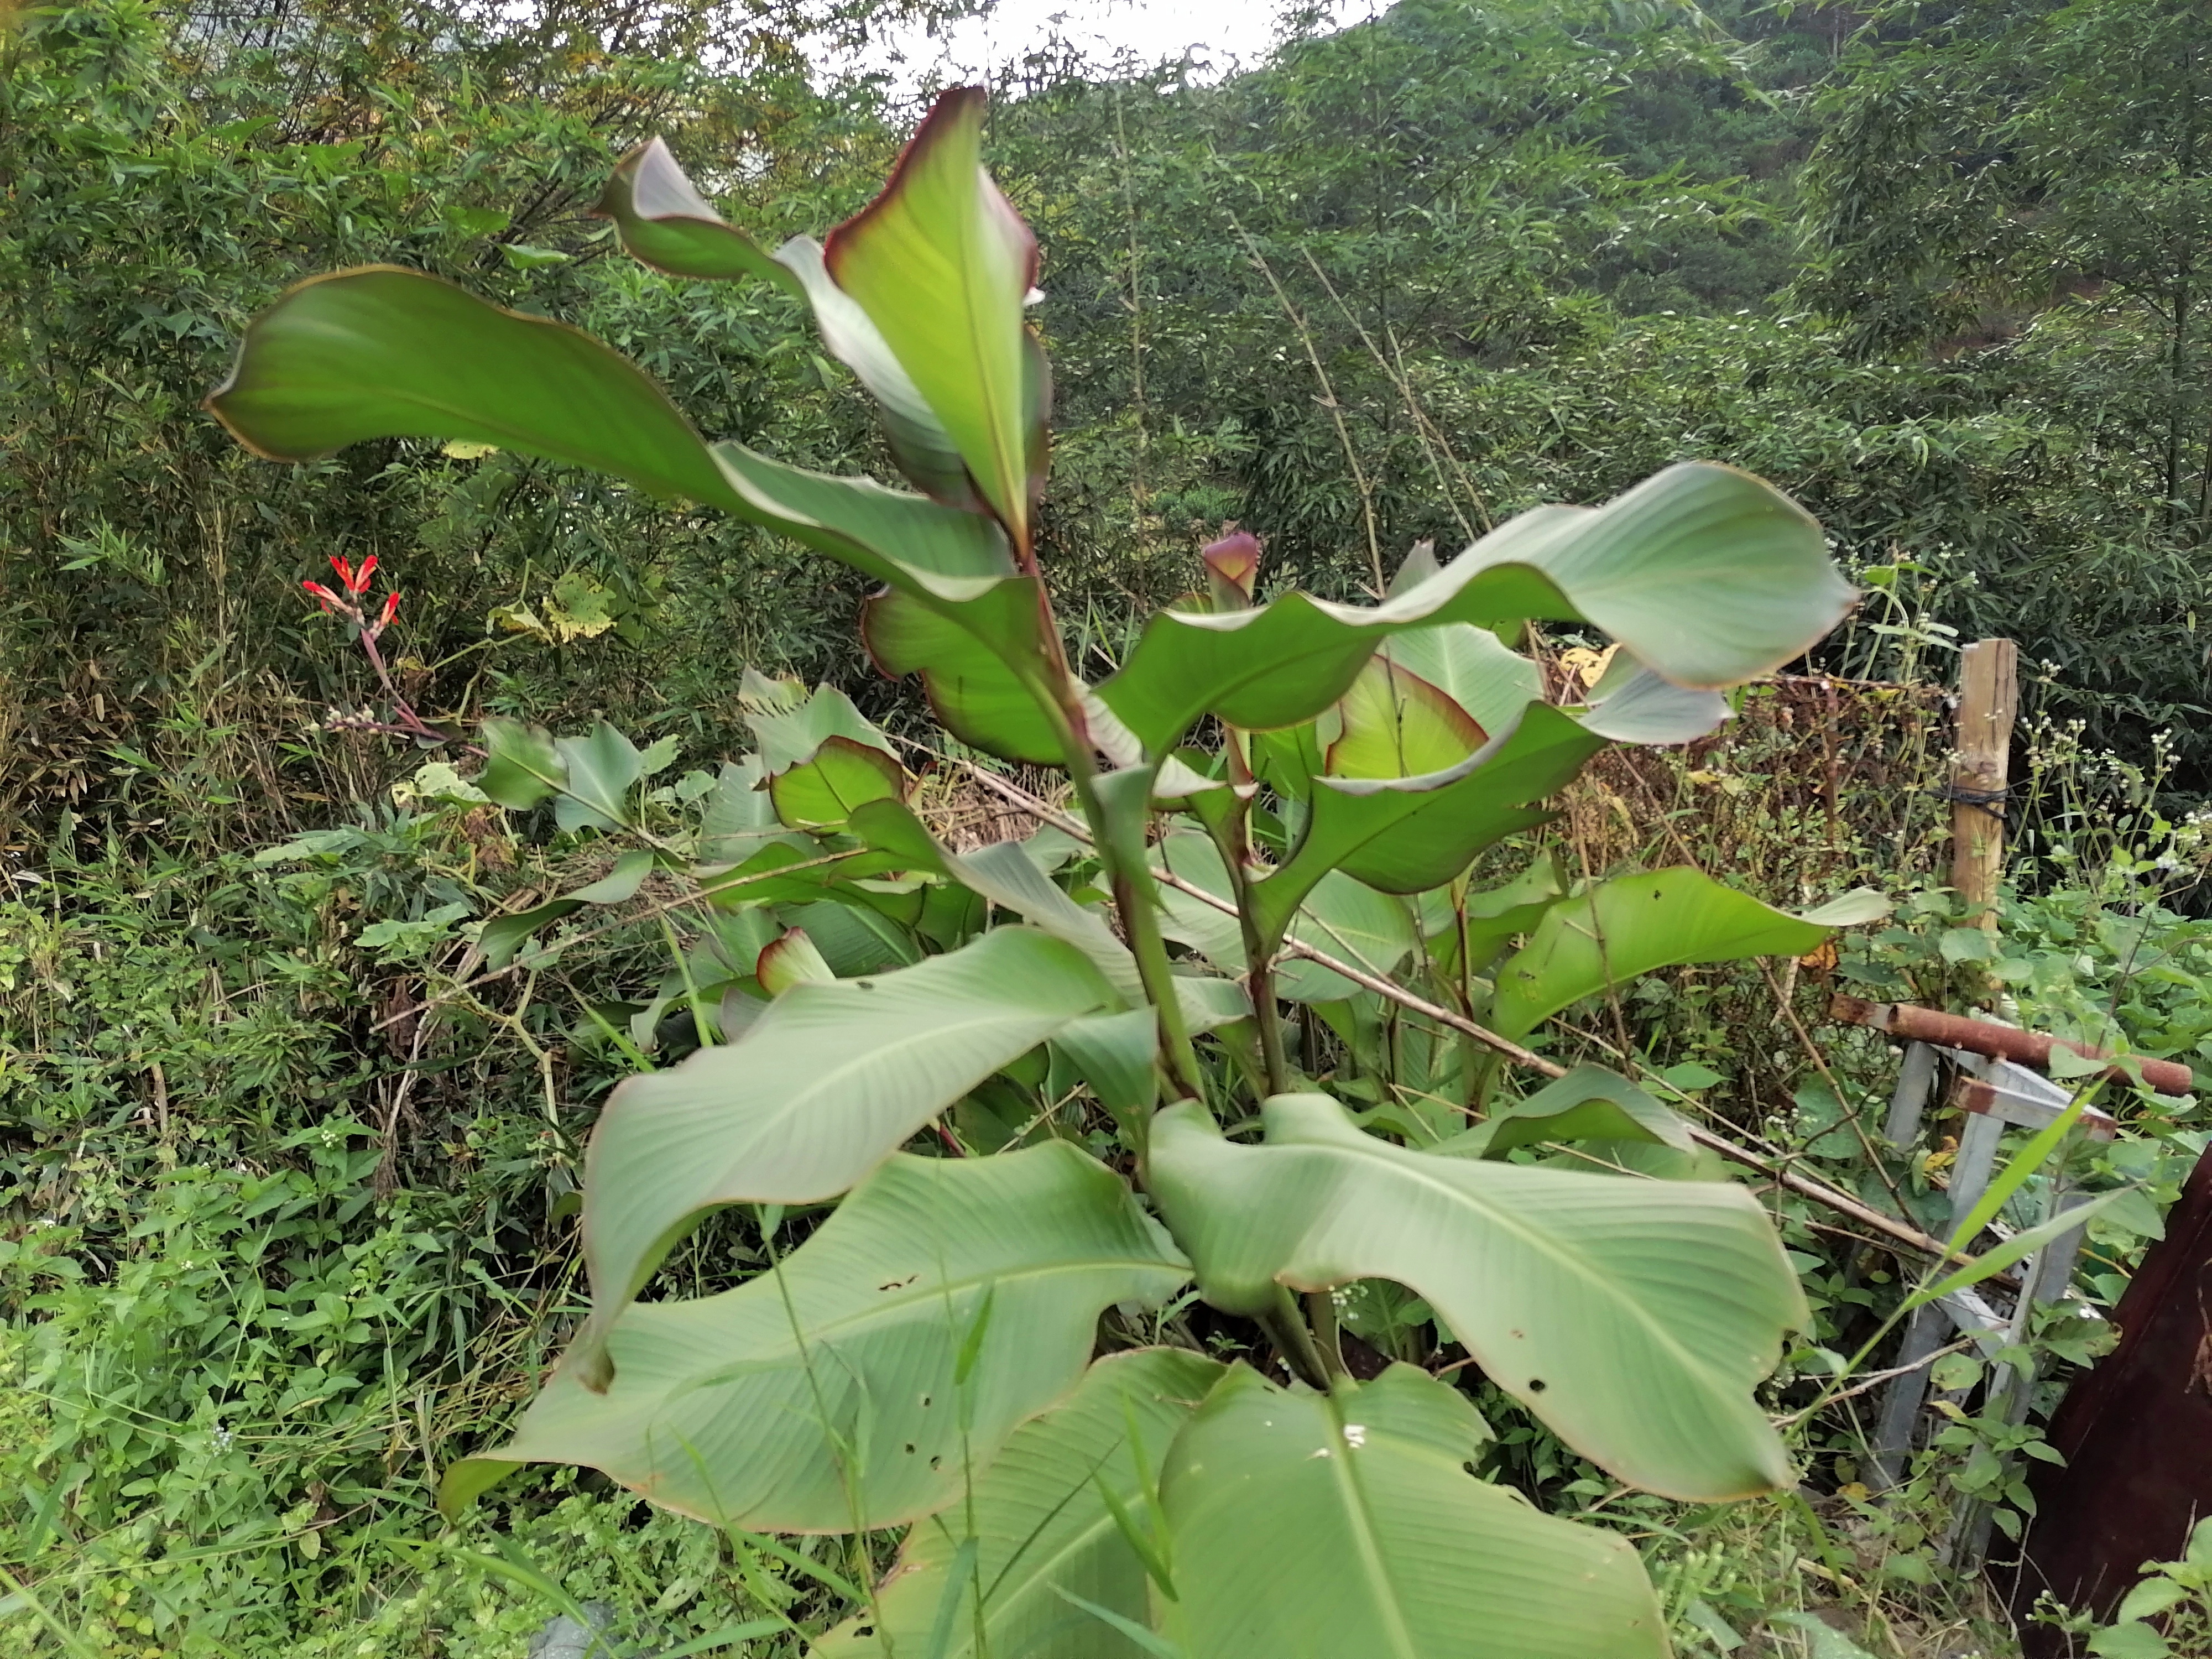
(1013, 1102)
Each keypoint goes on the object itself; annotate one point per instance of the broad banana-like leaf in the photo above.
(1634, 924)
(1309, 1526)
(942, 264)
(823, 1087)
(1010, 878)
(974, 695)
(1473, 667)
(381, 352)
(839, 778)
(863, 1380)
(1587, 1103)
(920, 444)
(1355, 923)
(1632, 1317)
(1645, 708)
(1116, 1054)
(665, 222)
(1707, 576)
(1394, 724)
(1041, 1525)
(1407, 834)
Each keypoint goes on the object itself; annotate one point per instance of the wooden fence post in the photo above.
(1989, 698)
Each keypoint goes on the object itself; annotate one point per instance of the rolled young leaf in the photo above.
(1347, 1523)
(1041, 1518)
(862, 1380)
(1632, 1317)
(1633, 924)
(828, 1083)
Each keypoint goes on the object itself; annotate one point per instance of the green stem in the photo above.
(1138, 901)
(1259, 959)
(1320, 1313)
(1287, 1328)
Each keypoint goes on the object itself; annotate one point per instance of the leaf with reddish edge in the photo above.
(942, 264)
(381, 352)
(920, 444)
(790, 959)
(1407, 835)
(1397, 725)
(1705, 574)
(665, 222)
(973, 694)
(822, 791)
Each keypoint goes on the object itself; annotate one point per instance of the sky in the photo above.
(1229, 34)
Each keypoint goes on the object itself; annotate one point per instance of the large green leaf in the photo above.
(1705, 574)
(1005, 875)
(920, 444)
(1394, 724)
(1633, 924)
(1633, 1316)
(1473, 667)
(1041, 1525)
(861, 1381)
(942, 265)
(825, 1085)
(665, 222)
(1309, 1526)
(1407, 834)
(1587, 1103)
(840, 777)
(381, 352)
(975, 695)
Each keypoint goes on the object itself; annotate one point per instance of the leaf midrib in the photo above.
(904, 1302)
(1540, 1244)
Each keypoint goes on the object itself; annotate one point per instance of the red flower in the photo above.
(391, 606)
(356, 581)
(324, 597)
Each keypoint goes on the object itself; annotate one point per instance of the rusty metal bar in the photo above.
(1983, 1037)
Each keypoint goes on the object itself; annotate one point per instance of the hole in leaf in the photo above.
(1535, 1385)
(909, 1448)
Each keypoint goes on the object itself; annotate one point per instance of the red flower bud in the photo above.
(391, 604)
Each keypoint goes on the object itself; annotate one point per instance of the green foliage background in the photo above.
(1931, 271)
